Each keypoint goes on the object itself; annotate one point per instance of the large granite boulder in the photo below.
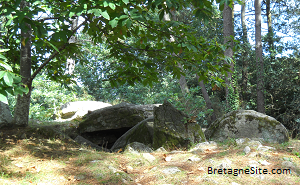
(247, 124)
(76, 110)
(5, 115)
(115, 117)
(142, 133)
(104, 126)
(174, 129)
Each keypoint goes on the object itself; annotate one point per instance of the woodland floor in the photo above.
(35, 155)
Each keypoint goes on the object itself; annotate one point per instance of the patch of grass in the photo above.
(4, 175)
(297, 154)
(241, 153)
(282, 146)
(4, 160)
(230, 142)
(85, 158)
(221, 154)
(285, 144)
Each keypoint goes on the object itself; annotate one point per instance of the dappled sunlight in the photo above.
(41, 159)
(48, 161)
(64, 63)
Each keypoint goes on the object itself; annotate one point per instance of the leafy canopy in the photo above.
(8, 80)
(115, 22)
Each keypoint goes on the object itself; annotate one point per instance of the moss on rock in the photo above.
(142, 133)
(171, 131)
(247, 123)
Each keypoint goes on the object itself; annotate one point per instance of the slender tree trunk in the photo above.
(182, 81)
(21, 112)
(227, 32)
(259, 59)
(270, 31)
(206, 99)
(244, 57)
(70, 64)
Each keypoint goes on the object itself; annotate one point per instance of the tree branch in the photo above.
(55, 53)
(47, 18)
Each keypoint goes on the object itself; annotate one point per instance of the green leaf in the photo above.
(105, 4)
(169, 3)
(21, 90)
(125, 1)
(2, 74)
(96, 12)
(161, 15)
(8, 78)
(8, 22)
(51, 45)
(221, 7)
(198, 13)
(105, 15)
(17, 79)
(71, 14)
(112, 6)
(26, 90)
(123, 17)
(5, 65)
(113, 22)
(3, 50)
(128, 23)
(18, 91)
(3, 98)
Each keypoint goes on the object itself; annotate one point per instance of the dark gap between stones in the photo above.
(105, 138)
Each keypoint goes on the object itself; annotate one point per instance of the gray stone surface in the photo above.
(172, 129)
(5, 115)
(264, 148)
(137, 147)
(150, 158)
(142, 132)
(115, 117)
(161, 149)
(288, 164)
(247, 149)
(201, 147)
(171, 170)
(247, 124)
(148, 109)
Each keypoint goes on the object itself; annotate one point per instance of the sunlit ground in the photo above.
(34, 156)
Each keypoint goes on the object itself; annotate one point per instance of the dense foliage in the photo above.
(48, 96)
(9, 81)
(126, 51)
(41, 35)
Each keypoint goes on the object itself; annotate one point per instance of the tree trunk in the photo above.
(270, 32)
(207, 99)
(244, 57)
(21, 112)
(182, 81)
(259, 59)
(227, 32)
(70, 64)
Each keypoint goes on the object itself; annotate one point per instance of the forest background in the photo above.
(202, 56)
